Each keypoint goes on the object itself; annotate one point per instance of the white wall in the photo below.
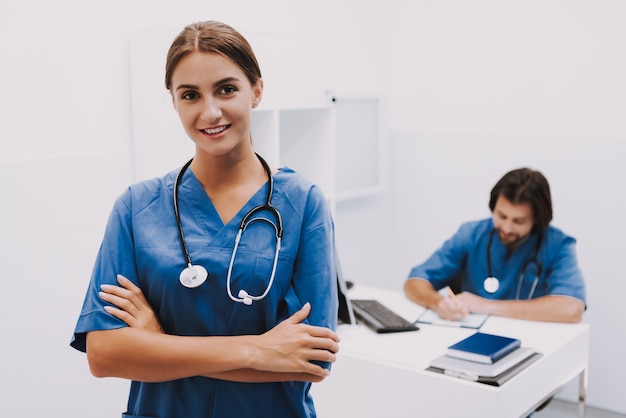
(64, 156)
(472, 89)
(482, 87)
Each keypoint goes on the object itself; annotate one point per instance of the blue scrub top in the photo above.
(141, 242)
(464, 257)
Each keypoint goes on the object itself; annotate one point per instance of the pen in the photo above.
(453, 296)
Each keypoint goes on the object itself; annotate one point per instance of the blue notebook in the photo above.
(483, 348)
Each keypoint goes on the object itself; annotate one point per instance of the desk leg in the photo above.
(582, 394)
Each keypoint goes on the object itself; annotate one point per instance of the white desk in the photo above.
(383, 375)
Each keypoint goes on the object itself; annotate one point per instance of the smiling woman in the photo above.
(214, 101)
(187, 334)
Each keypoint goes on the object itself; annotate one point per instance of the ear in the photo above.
(257, 93)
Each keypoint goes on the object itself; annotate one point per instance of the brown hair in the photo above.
(524, 185)
(212, 37)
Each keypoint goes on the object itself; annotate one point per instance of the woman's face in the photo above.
(214, 101)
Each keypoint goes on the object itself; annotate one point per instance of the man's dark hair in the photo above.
(524, 185)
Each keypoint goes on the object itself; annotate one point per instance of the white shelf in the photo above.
(337, 145)
(357, 147)
(306, 144)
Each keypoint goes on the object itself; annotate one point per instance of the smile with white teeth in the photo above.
(213, 131)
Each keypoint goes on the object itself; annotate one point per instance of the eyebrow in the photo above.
(186, 86)
(215, 85)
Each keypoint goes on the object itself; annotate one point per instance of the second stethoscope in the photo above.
(492, 284)
(194, 275)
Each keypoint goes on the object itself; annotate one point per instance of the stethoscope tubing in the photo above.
(243, 296)
(531, 260)
(179, 224)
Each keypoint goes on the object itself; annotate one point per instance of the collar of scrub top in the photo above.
(492, 284)
(194, 275)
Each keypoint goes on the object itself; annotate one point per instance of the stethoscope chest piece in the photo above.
(193, 276)
(491, 284)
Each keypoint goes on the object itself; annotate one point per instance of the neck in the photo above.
(515, 244)
(225, 170)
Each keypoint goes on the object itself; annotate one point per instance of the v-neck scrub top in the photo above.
(464, 257)
(141, 242)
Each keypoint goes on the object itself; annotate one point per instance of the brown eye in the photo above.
(189, 95)
(228, 90)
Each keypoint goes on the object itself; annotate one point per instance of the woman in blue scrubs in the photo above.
(514, 264)
(195, 348)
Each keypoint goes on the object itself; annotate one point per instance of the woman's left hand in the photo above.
(131, 305)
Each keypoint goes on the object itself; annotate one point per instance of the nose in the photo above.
(211, 111)
(505, 226)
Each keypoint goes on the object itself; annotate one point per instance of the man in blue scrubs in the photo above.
(514, 264)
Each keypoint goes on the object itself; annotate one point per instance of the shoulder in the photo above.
(297, 188)
(144, 193)
(296, 194)
(555, 238)
(475, 229)
(556, 232)
(470, 235)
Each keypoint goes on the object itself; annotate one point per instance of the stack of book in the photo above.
(485, 358)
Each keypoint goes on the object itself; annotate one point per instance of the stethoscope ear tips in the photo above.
(245, 298)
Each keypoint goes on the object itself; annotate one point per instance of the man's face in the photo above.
(512, 221)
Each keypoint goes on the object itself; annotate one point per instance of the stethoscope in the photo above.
(194, 275)
(492, 284)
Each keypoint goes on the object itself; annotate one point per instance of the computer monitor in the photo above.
(345, 313)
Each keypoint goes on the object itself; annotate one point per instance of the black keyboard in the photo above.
(378, 317)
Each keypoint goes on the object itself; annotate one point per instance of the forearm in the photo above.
(141, 355)
(546, 308)
(422, 292)
(257, 376)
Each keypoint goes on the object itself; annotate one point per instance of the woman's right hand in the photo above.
(291, 346)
